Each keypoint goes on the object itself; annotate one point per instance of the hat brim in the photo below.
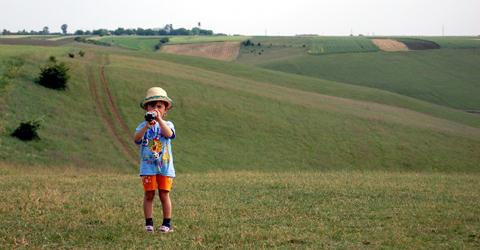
(157, 98)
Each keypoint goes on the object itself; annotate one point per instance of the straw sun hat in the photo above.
(156, 94)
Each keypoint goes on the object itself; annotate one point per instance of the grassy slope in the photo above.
(316, 85)
(446, 77)
(257, 117)
(72, 133)
(264, 123)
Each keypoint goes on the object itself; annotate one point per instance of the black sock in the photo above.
(166, 222)
(149, 222)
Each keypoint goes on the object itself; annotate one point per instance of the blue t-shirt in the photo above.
(156, 151)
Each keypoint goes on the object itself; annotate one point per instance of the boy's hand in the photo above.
(150, 124)
(159, 116)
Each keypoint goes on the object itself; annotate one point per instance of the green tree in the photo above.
(45, 30)
(64, 28)
(54, 75)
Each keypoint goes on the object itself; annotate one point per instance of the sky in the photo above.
(251, 17)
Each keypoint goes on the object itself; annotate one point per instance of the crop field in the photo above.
(317, 45)
(147, 43)
(225, 51)
(455, 42)
(205, 39)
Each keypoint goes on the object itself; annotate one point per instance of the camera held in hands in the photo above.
(150, 116)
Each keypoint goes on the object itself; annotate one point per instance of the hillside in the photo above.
(273, 121)
(447, 76)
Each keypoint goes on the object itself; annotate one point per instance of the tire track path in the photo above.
(106, 111)
(113, 105)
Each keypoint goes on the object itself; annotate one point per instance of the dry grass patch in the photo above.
(390, 45)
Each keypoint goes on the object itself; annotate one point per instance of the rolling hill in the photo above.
(273, 121)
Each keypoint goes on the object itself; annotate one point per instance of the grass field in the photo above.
(264, 159)
(78, 209)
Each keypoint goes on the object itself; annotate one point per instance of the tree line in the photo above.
(167, 30)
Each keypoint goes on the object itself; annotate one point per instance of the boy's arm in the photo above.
(166, 130)
(140, 133)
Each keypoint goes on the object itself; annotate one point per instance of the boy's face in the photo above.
(158, 106)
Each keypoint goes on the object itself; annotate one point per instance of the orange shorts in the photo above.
(152, 182)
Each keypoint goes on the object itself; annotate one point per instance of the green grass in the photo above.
(445, 77)
(71, 134)
(351, 136)
(317, 85)
(132, 42)
(309, 45)
(205, 39)
(80, 209)
(252, 113)
(264, 159)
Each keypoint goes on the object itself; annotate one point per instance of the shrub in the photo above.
(27, 131)
(81, 53)
(71, 55)
(54, 76)
(164, 40)
(247, 43)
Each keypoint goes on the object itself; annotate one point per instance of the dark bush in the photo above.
(27, 131)
(71, 55)
(164, 40)
(54, 76)
(247, 43)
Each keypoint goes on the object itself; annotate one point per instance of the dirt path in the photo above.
(113, 105)
(106, 111)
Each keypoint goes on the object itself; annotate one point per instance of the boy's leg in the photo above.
(166, 204)
(148, 204)
(149, 186)
(164, 187)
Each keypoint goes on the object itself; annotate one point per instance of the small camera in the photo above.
(150, 116)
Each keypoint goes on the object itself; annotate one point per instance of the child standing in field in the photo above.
(154, 135)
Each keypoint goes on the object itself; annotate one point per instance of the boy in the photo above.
(156, 162)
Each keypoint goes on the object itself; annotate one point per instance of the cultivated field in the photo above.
(224, 51)
(390, 45)
(147, 43)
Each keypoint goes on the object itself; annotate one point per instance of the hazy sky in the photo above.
(251, 17)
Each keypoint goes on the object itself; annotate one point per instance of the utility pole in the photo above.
(443, 30)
